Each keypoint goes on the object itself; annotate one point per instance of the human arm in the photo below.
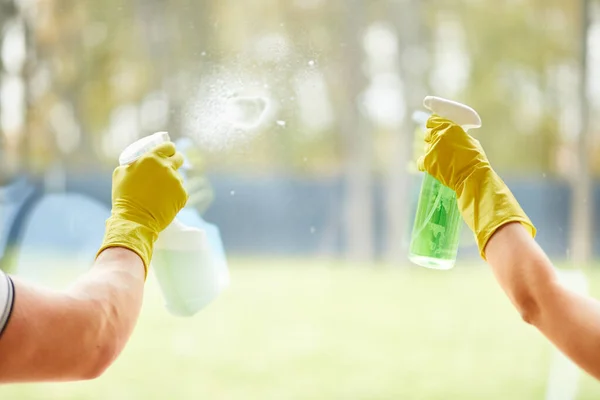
(569, 320)
(77, 333)
(505, 234)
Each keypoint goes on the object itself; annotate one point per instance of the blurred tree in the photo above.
(13, 59)
(408, 17)
(581, 181)
(357, 136)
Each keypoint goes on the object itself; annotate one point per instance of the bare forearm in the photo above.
(114, 290)
(73, 335)
(570, 321)
(521, 267)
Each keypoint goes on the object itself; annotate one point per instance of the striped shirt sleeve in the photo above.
(7, 295)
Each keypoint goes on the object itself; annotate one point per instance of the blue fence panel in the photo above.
(282, 215)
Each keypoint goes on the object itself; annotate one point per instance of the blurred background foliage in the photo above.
(94, 64)
(83, 79)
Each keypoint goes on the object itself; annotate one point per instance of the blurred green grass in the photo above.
(304, 329)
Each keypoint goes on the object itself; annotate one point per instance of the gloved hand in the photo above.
(146, 197)
(458, 161)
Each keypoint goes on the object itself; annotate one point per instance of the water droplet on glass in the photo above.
(281, 123)
(203, 53)
(312, 229)
(232, 193)
(311, 63)
(305, 159)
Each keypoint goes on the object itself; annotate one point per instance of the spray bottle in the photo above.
(437, 226)
(190, 273)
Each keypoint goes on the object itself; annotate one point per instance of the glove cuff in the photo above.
(139, 238)
(487, 204)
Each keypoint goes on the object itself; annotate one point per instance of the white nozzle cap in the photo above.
(458, 113)
(142, 146)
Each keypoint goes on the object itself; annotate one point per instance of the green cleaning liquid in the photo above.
(437, 226)
(436, 231)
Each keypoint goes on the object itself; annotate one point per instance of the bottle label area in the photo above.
(436, 230)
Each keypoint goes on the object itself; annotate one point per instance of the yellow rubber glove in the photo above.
(458, 161)
(146, 197)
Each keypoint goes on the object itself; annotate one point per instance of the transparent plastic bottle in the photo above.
(436, 230)
(190, 272)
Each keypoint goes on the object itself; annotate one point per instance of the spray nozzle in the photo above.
(458, 113)
(142, 146)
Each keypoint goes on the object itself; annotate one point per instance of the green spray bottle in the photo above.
(436, 230)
